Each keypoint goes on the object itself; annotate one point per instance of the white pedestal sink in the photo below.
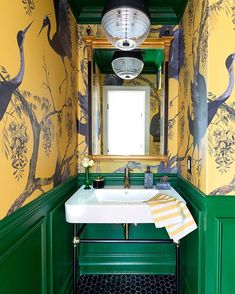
(112, 204)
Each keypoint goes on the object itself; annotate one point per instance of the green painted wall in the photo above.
(35, 247)
(126, 258)
(36, 244)
(208, 258)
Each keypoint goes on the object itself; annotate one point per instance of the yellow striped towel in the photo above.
(172, 214)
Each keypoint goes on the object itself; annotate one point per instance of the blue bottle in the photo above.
(148, 178)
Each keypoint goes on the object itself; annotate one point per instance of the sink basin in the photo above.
(122, 195)
(112, 205)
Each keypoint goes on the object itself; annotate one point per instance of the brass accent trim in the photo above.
(148, 43)
(126, 231)
(129, 157)
(167, 40)
(89, 42)
(99, 179)
(76, 240)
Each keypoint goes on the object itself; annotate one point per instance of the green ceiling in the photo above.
(161, 11)
(153, 58)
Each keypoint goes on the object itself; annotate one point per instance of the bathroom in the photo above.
(45, 136)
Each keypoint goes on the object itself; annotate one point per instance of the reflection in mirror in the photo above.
(128, 135)
(128, 115)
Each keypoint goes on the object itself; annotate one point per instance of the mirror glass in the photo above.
(128, 115)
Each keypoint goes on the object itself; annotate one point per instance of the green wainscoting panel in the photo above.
(207, 254)
(220, 245)
(20, 271)
(36, 245)
(225, 254)
(126, 258)
(60, 249)
(192, 246)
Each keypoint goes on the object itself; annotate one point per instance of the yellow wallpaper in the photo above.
(206, 96)
(38, 98)
(221, 68)
(192, 93)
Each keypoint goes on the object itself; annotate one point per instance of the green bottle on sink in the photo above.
(148, 178)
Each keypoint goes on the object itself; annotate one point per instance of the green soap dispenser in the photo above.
(148, 178)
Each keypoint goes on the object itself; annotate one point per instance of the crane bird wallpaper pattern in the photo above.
(38, 104)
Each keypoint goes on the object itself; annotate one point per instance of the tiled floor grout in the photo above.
(127, 284)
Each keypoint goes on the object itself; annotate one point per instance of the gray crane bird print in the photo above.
(60, 41)
(202, 119)
(8, 87)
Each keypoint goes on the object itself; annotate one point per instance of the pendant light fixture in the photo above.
(126, 23)
(127, 65)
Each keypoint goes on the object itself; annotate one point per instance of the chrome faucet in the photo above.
(127, 178)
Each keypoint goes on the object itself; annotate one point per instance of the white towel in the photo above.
(172, 214)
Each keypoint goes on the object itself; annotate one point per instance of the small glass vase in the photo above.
(87, 181)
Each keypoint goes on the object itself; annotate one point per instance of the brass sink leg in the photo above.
(126, 231)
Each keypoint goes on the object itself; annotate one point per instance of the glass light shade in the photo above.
(127, 65)
(126, 26)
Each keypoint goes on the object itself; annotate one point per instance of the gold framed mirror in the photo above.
(163, 44)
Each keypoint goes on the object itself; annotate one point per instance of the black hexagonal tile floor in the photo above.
(127, 284)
